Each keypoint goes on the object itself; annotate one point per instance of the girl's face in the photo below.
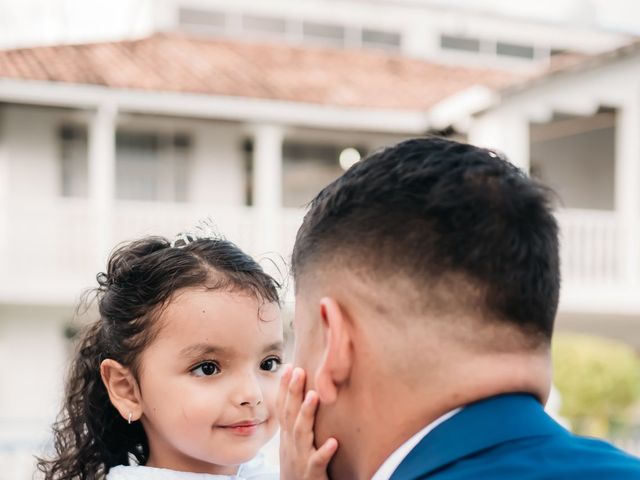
(208, 382)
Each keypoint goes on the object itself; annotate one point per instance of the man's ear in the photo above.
(122, 388)
(335, 366)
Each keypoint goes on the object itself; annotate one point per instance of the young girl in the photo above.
(179, 376)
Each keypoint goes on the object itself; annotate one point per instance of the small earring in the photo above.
(129, 419)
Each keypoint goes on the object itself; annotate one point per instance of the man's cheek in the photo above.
(321, 429)
(301, 359)
(300, 353)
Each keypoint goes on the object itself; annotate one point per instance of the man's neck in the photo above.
(392, 462)
(385, 421)
(389, 432)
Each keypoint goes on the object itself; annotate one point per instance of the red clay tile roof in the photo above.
(179, 63)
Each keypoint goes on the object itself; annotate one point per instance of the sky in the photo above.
(48, 21)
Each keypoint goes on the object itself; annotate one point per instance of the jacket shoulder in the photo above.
(546, 458)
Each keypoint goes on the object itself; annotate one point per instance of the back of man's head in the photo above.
(467, 230)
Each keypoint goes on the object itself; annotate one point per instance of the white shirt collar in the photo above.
(395, 459)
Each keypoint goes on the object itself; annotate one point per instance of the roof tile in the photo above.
(180, 63)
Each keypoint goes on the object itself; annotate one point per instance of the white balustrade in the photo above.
(589, 247)
(50, 254)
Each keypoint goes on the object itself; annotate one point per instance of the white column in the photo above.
(505, 131)
(267, 186)
(102, 179)
(518, 142)
(4, 193)
(627, 188)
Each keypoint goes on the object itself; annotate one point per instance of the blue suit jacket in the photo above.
(511, 437)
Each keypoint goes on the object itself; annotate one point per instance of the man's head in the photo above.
(417, 265)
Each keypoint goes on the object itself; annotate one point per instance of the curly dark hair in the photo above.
(90, 436)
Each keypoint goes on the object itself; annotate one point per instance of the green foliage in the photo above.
(598, 379)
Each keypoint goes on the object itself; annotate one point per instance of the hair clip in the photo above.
(182, 240)
(204, 230)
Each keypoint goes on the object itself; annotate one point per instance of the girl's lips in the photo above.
(244, 428)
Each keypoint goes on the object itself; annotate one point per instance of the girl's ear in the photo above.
(122, 388)
(335, 367)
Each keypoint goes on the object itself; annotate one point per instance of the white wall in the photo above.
(580, 168)
(31, 144)
(29, 138)
(34, 22)
(216, 161)
(420, 24)
(217, 173)
(33, 356)
(47, 255)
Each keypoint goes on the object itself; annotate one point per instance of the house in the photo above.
(577, 128)
(110, 141)
(429, 29)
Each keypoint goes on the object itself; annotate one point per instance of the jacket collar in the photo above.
(478, 426)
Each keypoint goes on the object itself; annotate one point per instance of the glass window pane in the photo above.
(466, 44)
(137, 166)
(333, 34)
(307, 168)
(74, 161)
(514, 50)
(380, 38)
(181, 146)
(152, 166)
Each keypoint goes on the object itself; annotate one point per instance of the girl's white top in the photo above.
(255, 469)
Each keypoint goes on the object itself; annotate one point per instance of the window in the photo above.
(307, 168)
(73, 156)
(465, 44)
(487, 46)
(505, 49)
(380, 38)
(151, 166)
(188, 17)
(324, 32)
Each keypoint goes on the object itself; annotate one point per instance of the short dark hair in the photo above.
(430, 207)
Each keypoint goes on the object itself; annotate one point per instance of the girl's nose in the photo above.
(249, 392)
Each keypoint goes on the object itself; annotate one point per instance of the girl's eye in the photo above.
(271, 364)
(206, 369)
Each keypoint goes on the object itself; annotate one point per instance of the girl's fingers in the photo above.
(303, 427)
(282, 391)
(293, 398)
(319, 460)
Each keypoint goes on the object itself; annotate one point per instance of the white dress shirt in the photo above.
(395, 459)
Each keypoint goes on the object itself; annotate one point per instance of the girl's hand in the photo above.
(299, 458)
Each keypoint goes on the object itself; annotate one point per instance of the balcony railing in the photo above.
(589, 243)
(49, 253)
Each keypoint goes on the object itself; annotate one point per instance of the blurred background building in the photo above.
(125, 118)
